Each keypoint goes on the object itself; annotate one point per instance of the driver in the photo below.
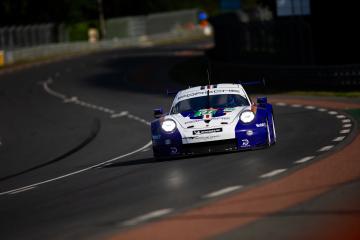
(232, 101)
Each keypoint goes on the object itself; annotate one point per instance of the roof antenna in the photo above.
(208, 76)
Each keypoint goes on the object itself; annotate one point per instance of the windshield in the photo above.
(212, 101)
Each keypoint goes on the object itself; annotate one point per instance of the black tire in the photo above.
(268, 133)
(273, 128)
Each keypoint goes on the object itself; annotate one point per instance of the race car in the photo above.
(212, 118)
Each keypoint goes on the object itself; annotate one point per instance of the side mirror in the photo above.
(158, 112)
(261, 100)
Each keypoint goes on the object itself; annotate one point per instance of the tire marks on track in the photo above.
(75, 100)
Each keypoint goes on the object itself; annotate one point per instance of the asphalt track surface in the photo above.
(75, 158)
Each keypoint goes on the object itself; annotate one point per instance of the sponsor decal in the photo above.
(245, 142)
(207, 131)
(204, 112)
(202, 138)
(208, 137)
(224, 91)
(211, 92)
(173, 150)
(156, 137)
(193, 121)
(191, 95)
(207, 113)
(226, 110)
(261, 125)
(223, 118)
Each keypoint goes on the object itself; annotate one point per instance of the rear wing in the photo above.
(253, 83)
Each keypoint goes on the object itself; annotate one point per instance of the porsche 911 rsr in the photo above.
(213, 118)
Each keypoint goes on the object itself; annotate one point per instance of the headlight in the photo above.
(247, 116)
(168, 125)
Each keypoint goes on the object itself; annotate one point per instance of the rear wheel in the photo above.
(273, 128)
(268, 133)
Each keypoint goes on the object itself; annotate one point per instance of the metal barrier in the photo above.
(26, 36)
(151, 24)
(169, 21)
(23, 43)
(58, 49)
(14, 37)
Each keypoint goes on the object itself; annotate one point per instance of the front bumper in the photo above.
(195, 148)
(243, 141)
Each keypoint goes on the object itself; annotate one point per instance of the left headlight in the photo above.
(168, 125)
(247, 116)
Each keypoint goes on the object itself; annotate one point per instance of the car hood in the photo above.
(207, 118)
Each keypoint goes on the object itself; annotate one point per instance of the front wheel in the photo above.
(273, 129)
(268, 142)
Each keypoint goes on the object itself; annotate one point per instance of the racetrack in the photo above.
(75, 158)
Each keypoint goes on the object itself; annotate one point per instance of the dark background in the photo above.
(327, 37)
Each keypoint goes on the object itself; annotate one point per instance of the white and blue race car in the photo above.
(213, 118)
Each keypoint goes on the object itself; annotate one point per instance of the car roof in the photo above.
(201, 90)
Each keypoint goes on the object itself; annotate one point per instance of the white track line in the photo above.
(75, 100)
(305, 159)
(310, 107)
(107, 110)
(332, 112)
(322, 109)
(272, 173)
(346, 120)
(222, 191)
(280, 104)
(347, 125)
(339, 139)
(121, 114)
(326, 148)
(296, 105)
(71, 100)
(77, 172)
(340, 116)
(147, 217)
(52, 92)
(22, 190)
(344, 131)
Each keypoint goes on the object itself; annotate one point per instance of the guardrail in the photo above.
(151, 24)
(13, 37)
(50, 50)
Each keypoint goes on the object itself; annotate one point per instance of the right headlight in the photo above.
(247, 116)
(168, 125)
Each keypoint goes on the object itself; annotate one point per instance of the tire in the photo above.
(273, 128)
(268, 142)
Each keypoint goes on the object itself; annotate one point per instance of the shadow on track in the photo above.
(94, 132)
(151, 160)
